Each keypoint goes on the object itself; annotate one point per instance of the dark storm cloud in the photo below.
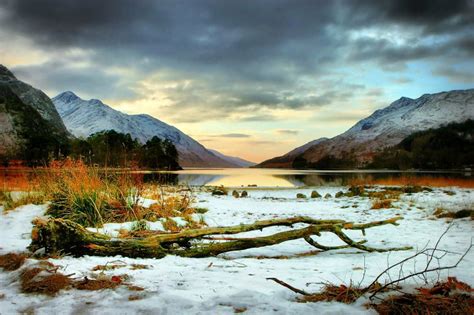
(433, 15)
(87, 80)
(239, 54)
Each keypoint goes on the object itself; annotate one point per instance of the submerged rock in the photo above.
(315, 194)
(219, 191)
(328, 195)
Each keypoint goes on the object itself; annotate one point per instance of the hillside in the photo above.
(385, 128)
(236, 160)
(86, 117)
(30, 127)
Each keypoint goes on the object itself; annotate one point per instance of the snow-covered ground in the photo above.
(237, 281)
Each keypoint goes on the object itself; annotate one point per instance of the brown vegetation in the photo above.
(12, 261)
(382, 204)
(416, 180)
(43, 281)
(448, 297)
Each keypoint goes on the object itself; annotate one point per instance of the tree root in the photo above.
(59, 236)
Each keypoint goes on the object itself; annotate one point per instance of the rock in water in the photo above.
(315, 194)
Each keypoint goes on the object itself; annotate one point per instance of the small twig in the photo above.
(286, 285)
(422, 272)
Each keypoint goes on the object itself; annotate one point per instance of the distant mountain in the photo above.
(85, 117)
(285, 161)
(387, 127)
(233, 159)
(30, 126)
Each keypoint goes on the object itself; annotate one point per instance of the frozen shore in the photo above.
(237, 281)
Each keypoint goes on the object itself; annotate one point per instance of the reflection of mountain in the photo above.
(198, 179)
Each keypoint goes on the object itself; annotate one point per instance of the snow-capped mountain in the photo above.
(233, 159)
(388, 126)
(85, 117)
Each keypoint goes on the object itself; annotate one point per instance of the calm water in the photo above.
(284, 178)
(241, 177)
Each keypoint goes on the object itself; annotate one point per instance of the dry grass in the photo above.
(342, 294)
(18, 180)
(171, 225)
(465, 213)
(382, 204)
(91, 197)
(36, 198)
(417, 180)
(12, 261)
(448, 297)
(97, 284)
(42, 281)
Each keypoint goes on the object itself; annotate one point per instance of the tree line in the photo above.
(106, 148)
(448, 147)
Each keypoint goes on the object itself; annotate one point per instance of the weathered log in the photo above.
(66, 237)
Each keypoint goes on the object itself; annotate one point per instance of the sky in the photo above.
(250, 78)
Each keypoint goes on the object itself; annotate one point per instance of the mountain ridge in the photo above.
(85, 117)
(388, 126)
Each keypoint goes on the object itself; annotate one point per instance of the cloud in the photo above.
(402, 80)
(287, 131)
(455, 75)
(232, 135)
(191, 61)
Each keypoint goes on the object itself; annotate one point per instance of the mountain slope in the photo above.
(233, 159)
(85, 117)
(387, 127)
(285, 161)
(30, 127)
(34, 98)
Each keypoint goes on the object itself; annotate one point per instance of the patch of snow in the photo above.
(218, 285)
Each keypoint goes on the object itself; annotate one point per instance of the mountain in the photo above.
(387, 127)
(233, 159)
(85, 117)
(286, 161)
(30, 126)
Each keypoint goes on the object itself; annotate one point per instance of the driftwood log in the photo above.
(59, 236)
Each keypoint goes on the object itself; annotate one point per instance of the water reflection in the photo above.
(266, 177)
(290, 178)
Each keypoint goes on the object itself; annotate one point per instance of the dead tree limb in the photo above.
(63, 236)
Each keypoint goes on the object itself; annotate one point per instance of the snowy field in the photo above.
(236, 281)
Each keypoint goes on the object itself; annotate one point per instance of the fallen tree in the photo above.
(59, 236)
